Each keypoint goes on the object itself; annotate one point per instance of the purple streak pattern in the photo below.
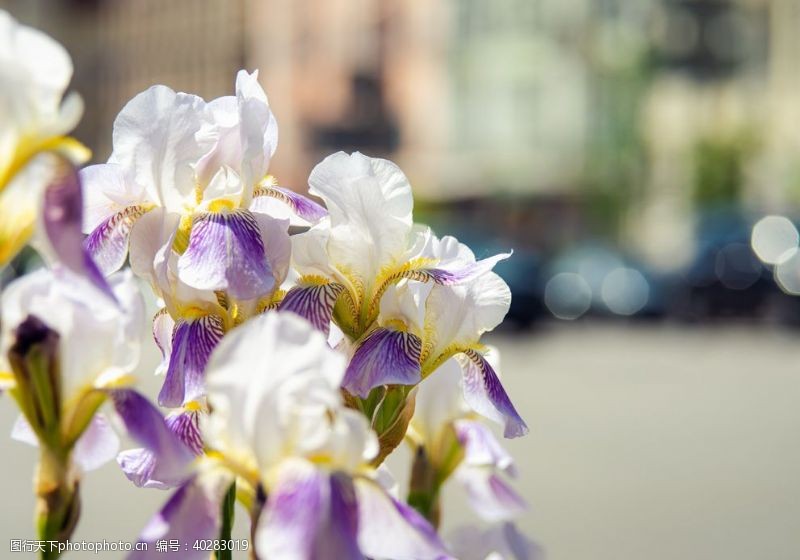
(385, 357)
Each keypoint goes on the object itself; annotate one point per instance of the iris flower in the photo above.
(34, 120)
(201, 167)
(278, 427)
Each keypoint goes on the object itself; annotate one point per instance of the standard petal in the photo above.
(226, 252)
(370, 203)
(191, 514)
(146, 426)
(486, 395)
(310, 515)
(142, 466)
(156, 137)
(283, 203)
(388, 528)
(385, 357)
(192, 343)
(313, 302)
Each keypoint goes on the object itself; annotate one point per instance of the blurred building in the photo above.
(122, 47)
(628, 113)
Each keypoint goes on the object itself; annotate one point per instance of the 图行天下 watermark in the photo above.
(39, 546)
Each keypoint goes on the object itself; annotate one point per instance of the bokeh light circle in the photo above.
(567, 295)
(625, 291)
(774, 239)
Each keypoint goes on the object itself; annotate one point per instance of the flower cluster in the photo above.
(293, 365)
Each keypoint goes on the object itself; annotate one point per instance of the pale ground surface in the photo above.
(647, 442)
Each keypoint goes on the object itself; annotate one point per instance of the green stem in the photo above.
(423, 491)
(227, 523)
(58, 501)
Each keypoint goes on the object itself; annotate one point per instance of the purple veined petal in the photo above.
(489, 495)
(146, 426)
(192, 343)
(388, 528)
(62, 216)
(141, 465)
(502, 541)
(314, 303)
(226, 252)
(163, 326)
(485, 394)
(385, 357)
(192, 513)
(481, 447)
(310, 514)
(451, 276)
(284, 203)
(108, 242)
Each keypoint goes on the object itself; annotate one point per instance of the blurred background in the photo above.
(639, 156)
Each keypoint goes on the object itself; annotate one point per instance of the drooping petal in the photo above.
(141, 465)
(481, 447)
(385, 357)
(106, 191)
(499, 542)
(388, 528)
(191, 514)
(284, 203)
(97, 446)
(146, 426)
(226, 252)
(310, 514)
(489, 495)
(486, 395)
(192, 343)
(108, 242)
(62, 216)
(314, 302)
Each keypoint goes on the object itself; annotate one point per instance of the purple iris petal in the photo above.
(490, 496)
(309, 514)
(451, 276)
(389, 528)
(63, 217)
(145, 425)
(108, 242)
(481, 447)
(302, 206)
(385, 357)
(314, 303)
(485, 394)
(191, 514)
(192, 343)
(141, 465)
(226, 252)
